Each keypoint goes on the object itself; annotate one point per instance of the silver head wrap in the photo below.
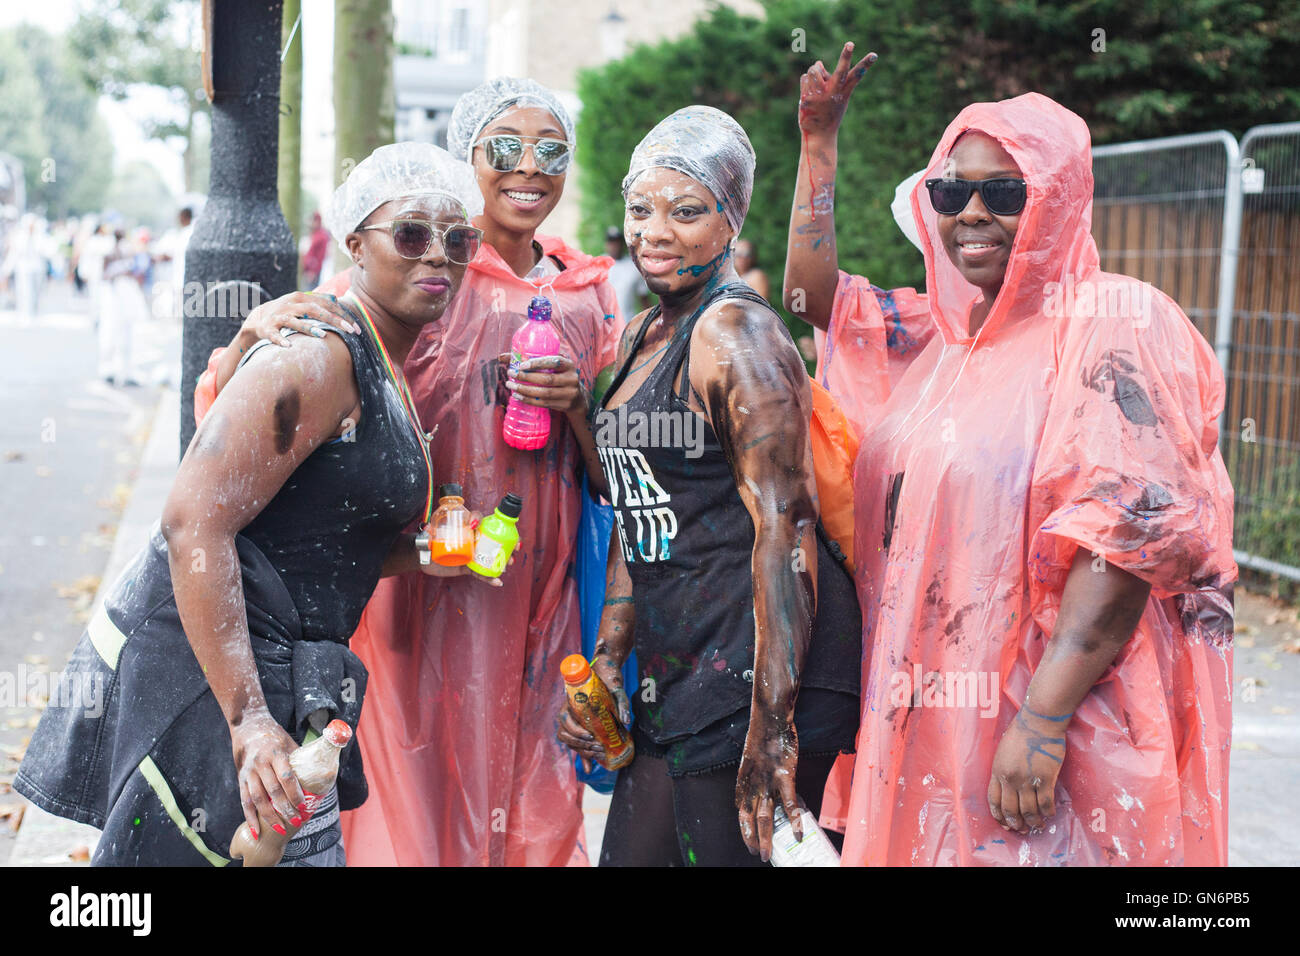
(398, 171)
(707, 145)
(481, 105)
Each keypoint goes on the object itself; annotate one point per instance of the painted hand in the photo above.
(823, 97)
(549, 382)
(1028, 760)
(267, 783)
(271, 319)
(766, 777)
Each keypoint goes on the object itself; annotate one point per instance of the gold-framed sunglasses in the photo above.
(413, 237)
(505, 151)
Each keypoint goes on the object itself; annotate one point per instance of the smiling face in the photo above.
(978, 242)
(413, 291)
(675, 233)
(518, 200)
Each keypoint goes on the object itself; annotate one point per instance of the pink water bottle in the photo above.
(529, 426)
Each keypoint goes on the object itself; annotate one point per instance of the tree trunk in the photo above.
(290, 174)
(363, 83)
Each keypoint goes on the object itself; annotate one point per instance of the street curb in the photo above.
(44, 839)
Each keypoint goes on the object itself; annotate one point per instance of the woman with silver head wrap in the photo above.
(458, 731)
(740, 643)
(229, 634)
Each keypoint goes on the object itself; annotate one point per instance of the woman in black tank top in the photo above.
(746, 628)
(228, 633)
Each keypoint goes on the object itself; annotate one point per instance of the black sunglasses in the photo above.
(413, 237)
(1002, 197)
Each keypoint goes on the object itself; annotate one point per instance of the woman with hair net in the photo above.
(1048, 609)
(745, 626)
(459, 736)
(229, 632)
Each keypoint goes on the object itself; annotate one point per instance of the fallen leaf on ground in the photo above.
(1245, 641)
(1281, 710)
(79, 854)
(14, 456)
(13, 812)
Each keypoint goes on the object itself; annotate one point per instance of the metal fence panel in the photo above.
(1261, 440)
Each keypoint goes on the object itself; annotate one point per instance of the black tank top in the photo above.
(362, 488)
(687, 540)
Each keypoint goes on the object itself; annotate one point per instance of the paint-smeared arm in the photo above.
(272, 416)
(811, 261)
(756, 393)
(1100, 610)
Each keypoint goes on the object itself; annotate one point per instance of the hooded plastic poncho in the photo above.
(458, 731)
(1084, 416)
(481, 105)
(397, 171)
(707, 145)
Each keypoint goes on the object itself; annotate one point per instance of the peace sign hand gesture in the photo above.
(823, 97)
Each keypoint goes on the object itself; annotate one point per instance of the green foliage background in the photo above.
(1167, 67)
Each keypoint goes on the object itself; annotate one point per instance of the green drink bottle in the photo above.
(497, 538)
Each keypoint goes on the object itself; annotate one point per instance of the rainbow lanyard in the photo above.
(407, 401)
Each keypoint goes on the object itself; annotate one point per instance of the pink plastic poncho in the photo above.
(1083, 416)
(458, 731)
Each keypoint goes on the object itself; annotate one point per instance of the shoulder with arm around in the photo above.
(316, 375)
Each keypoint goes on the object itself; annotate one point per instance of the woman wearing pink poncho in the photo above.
(1043, 526)
(458, 732)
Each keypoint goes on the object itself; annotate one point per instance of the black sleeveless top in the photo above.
(365, 486)
(688, 539)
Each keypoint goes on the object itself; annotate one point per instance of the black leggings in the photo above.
(658, 820)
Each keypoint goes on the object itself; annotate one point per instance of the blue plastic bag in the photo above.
(593, 548)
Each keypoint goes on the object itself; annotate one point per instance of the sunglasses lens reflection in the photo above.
(462, 245)
(503, 152)
(1003, 197)
(411, 239)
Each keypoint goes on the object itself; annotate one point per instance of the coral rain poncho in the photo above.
(1085, 415)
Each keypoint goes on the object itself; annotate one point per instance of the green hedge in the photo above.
(1167, 67)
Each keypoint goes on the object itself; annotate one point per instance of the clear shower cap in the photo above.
(901, 207)
(397, 171)
(481, 105)
(707, 145)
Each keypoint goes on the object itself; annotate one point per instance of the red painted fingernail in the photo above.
(254, 832)
(303, 806)
(296, 821)
(279, 829)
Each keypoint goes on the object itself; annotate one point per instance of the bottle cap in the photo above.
(338, 733)
(511, 506)
(575, 669)
(450, 490)
(540, 309)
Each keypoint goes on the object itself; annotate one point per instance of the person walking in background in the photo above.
(747, 268)
(318, 247)
(629, 286)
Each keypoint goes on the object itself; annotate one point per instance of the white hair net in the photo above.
(901, 207)
(707, 145)
(481, 105)
(398, 171)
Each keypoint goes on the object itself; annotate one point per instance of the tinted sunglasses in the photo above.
(503, 153)
(1002, 197)
(413, 237)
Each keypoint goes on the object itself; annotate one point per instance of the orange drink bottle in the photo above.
(596, 709)
(451, 537)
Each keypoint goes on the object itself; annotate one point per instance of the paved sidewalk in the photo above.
(44, 839)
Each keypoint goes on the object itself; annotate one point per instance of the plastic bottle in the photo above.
(497, 538)
(529, 426)
(316, 765)
(814, 850)
(595, 707)
(451, 536)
